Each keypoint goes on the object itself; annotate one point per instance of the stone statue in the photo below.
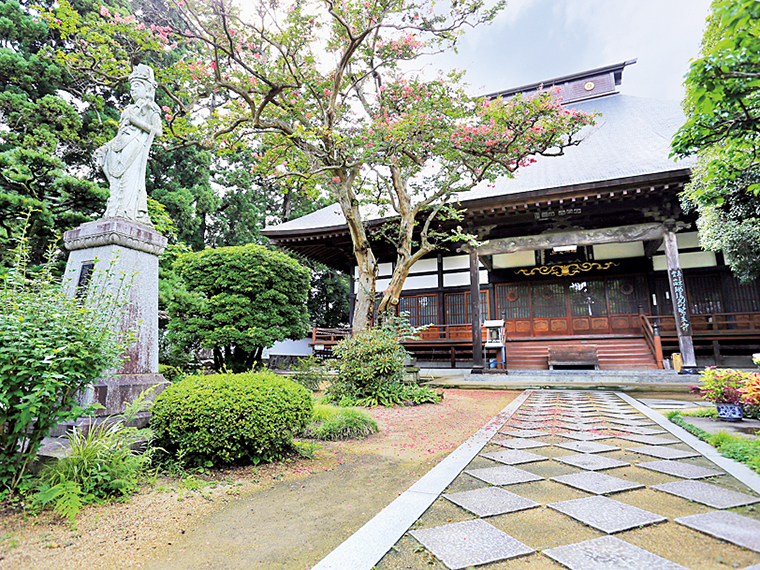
(124, 158)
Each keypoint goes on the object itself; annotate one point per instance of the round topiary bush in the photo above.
(225, 418)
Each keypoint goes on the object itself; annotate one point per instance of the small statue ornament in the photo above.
(124, 158)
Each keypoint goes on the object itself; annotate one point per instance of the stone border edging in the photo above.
(366, 547)
(733, 468)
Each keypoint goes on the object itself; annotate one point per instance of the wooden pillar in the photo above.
(477, 340)
(680, 303)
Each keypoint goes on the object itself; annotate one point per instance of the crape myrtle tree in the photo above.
(320, 86)
(237, 301)
(722, 106)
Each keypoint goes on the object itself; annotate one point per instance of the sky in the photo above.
(535, 40)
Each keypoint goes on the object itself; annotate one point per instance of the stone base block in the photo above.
(115, 392)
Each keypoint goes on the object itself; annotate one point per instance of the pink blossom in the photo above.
(104, 11)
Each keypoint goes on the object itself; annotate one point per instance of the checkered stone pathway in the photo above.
(556, 513)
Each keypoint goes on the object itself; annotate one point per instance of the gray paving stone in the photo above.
(519, 443)
(736, 529)
(469, 543)
(710, 495)
(630, 423)
(680, 469)
(503, 475)
(663, 452)
(525, 432)
(606, 514)
(622, 416)
(583, 436)
(597, 483)
(587, 447)
(575, 426)
(664, 404)
(490, 501)
(590, 462)
(640, 430)
(608, 553)
(526, 425)
(514, 456)
(650, 439)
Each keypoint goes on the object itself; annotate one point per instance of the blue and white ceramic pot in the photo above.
(729, 412)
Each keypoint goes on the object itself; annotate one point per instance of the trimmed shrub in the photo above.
(226, 418)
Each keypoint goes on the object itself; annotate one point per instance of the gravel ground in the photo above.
(157, 527)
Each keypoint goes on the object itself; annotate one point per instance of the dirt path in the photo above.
(275, 517)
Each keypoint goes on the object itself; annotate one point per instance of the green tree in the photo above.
(319, 85)
(238, 301)
(722, 105)
(45, 140)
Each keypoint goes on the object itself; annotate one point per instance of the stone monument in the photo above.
(124, 242)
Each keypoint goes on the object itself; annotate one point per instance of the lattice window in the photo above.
(625, 294)
(421, 309)
(704, 294)
(548, 300)
(513, 301)
(745, 296)
(458, 308)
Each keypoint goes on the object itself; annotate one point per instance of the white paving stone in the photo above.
(590, 462)
(663, 452)
(597, 483)
(736, 529)
(514, 456)
(519, 443)
(609, 553)
(606, 514)
(583, 436)
(649, 439)
(680, 469)
(503, 475)
(707, 494)
(525, 432)
(587, 447)
(490, 501)
(469, 543)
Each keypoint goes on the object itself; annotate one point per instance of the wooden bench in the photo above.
(573, 355)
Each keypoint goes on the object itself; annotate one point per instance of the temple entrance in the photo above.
(578, 306)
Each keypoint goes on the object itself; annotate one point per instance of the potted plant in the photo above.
(723, 386)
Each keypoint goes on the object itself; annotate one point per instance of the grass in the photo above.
(702, 412)
(330, 423)
(741, 449)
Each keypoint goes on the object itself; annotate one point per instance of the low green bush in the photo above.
(330, 423)
(226, 418)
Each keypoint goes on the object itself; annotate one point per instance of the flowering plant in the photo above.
(751, 389)
(721, 386)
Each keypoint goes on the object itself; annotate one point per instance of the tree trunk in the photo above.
(365, 290)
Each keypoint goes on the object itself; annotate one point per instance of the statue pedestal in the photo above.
(116, 247)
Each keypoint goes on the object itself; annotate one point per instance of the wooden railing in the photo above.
(714, 325)
(650, 327)
(434, 333)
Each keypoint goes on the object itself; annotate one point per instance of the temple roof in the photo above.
(630, 141)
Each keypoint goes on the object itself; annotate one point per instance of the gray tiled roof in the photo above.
(630, 139)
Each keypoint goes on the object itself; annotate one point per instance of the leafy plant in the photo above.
(51, 348)
(751, 389)
(226, 418)
(332, 423)
(310, 373)
(721, 385)
(102, 463)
